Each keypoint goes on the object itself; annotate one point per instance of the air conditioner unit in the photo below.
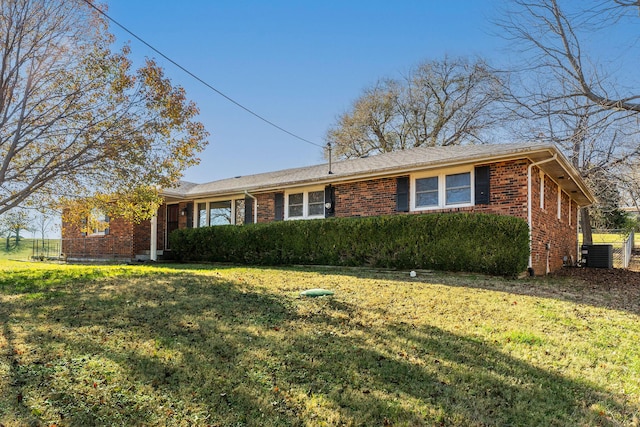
(597, 256)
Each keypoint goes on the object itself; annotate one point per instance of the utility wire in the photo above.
(228, 98)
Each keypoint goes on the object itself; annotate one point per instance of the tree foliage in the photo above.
(11, 224)
(77, 121)
(444, 102)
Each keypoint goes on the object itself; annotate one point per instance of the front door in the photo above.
(173, 213)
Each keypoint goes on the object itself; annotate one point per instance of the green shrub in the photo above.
(482, 243)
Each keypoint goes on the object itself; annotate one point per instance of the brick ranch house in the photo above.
(531, 181)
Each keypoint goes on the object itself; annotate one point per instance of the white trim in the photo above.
(442, 188)
(570, 216)
(208, 201)
(254, 204)
(559, 202)
(305, 202)
(153, 247)
(529, 204)
(541, 190)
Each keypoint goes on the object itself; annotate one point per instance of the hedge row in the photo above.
(450, 242)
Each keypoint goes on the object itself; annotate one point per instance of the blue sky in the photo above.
(297, 63)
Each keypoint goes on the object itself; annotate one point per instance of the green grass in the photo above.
(24, 250)
(229, 346)
(606, 238)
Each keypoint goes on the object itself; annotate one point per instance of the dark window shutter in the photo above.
(402, 194)
(248, 210)
(329, 201)
(83, 224)
(279, 206)
(482, 184)
(106, 230)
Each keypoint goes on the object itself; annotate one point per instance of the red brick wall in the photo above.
(266, 207)
(366, 198)
(118, 244)
(560, 233)
(508, 196)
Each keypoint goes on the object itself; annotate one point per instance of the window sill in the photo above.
(436, 208)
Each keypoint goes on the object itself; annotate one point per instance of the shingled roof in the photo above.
(389, 164)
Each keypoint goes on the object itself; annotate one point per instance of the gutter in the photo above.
(338, 177)
(255, 206)
(529, 207)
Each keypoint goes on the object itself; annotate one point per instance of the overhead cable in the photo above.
(228, 98)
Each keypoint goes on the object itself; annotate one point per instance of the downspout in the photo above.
(153, 249)
(255, 205)
(529, 208)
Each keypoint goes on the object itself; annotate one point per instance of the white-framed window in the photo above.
(305, 203)
(458, 188)
(451, 188)
(219, 212)
(427, 192)
(97, 223)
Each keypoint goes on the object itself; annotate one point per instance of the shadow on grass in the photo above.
(199, 350)
(614, 289)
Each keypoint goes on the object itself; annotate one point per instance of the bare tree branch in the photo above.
(443, 102)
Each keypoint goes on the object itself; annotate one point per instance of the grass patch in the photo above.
(24, 250)
(198, 345)
(617, 240)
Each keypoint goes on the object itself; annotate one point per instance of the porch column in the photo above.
(153, 250)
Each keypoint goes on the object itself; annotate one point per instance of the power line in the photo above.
(228, 98)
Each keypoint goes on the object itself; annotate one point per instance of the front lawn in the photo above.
(227, 346)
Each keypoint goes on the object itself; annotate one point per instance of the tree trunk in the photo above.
(585, 222)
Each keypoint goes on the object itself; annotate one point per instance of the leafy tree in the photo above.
(445, 102)
(11, 224)
(77, 122)
(569, 90)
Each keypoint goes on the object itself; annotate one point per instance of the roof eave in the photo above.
(536, 153)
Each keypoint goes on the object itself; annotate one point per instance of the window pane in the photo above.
(427, 184)
(316, 197)
(427, 199)
(295, 210)
(458, 195)
(295, 204)
(239, 212)
(220, 213)
(295, 199)
(316, 203)
(458, 188)
(427, 192)
(98, 222)
(459, 180)
(202, 214)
